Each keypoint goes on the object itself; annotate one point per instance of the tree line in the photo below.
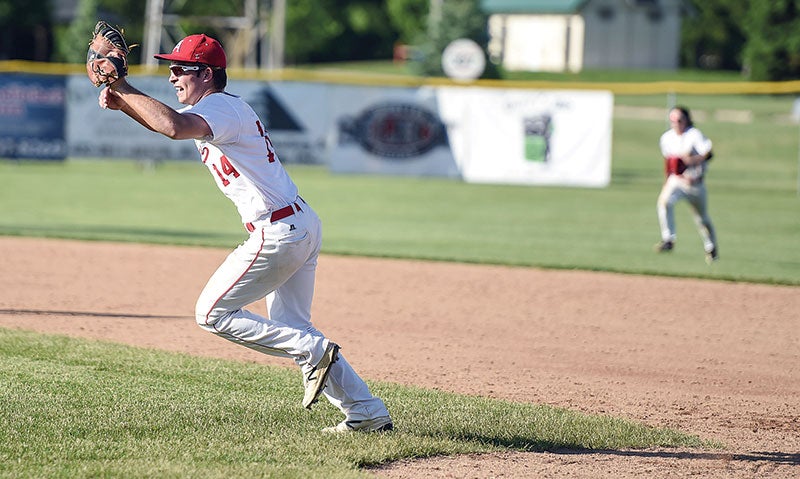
(758, 38)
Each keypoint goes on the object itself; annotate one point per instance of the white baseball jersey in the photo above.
(241, 158)
(691, 142)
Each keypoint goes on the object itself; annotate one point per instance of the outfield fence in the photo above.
(45, 105)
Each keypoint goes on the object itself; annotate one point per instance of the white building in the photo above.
(570, 35)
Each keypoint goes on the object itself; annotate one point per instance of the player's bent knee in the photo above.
(204, 316)
(207, 317)
(203, 320)
(205, 312)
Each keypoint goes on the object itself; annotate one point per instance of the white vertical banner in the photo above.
(530, 137)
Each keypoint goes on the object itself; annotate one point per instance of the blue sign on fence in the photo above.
(32, 111)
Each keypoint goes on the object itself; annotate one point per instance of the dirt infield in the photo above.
(720, 360)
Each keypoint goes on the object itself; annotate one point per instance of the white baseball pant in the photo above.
(278, 262)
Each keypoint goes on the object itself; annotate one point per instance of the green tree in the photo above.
(72, 41)
(772, 51)
(335, 30)
(25, 30)
(713, 38)
(408, 18)
(316, 30)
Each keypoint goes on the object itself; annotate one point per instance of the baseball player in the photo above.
(686, 153)
(278, 260)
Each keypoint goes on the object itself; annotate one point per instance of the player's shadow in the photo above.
(43, 312)
(112, 232)
(528, 444)
(782, 458)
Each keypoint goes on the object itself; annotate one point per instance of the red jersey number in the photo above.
(227, 168)
(270, 148)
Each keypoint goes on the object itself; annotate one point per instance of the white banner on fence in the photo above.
(530, 137)
(89, 127)
(483, 135)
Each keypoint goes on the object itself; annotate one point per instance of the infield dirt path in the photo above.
(720, 360)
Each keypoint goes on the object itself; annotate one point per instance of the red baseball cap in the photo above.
(198, 48)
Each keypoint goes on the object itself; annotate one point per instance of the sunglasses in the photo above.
(179, 70)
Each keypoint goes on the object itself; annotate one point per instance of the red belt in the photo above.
(277, 215)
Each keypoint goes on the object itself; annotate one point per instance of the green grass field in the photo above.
(76, 408)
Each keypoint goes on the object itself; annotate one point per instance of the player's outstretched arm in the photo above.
(153, 114)
(109, 100)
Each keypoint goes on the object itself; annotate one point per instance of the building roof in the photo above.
(532, 6)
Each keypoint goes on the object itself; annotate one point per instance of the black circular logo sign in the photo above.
(394, 130)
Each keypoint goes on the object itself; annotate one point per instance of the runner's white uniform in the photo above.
(689, 185)
(278, 261)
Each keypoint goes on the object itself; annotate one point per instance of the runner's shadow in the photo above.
(529, 444)
(783, 458)
(111, 232)
(42, 312)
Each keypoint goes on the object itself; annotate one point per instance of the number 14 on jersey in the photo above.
(226, 169)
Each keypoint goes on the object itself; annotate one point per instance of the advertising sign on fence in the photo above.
(32, 117)
(530, 137)
(87, 122)
(478, 134)
(394, 131)
(483, 135)
(295, 115)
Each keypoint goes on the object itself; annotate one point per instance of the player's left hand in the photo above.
(107, 58)
(109, 100)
